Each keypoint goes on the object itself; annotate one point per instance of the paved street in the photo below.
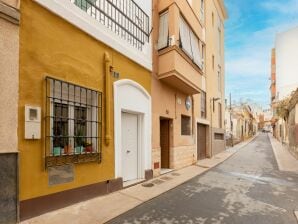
(247, 188)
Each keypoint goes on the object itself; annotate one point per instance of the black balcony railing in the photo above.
(123, 17)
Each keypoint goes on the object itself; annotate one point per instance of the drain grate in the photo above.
(148, 185)
(166, 178)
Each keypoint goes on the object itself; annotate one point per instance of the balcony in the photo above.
(178, 71)
(124, 17)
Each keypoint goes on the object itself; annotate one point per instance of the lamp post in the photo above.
(212, 101)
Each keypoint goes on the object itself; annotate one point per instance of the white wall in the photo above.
(286, 45)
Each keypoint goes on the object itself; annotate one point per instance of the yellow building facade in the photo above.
(69, 101)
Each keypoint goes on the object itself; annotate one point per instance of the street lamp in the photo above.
(213, 100)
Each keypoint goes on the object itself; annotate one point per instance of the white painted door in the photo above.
(129, 146)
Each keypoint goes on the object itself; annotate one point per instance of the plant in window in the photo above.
(79, 141)
(88, 147)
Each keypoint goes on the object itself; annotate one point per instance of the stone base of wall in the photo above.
(8, 188)
(37, 206)
(182, 156)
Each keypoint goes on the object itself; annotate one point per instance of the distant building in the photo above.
(284, 76)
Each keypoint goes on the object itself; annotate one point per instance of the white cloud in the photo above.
(289, 7)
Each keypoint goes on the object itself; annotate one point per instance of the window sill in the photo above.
(72, 159)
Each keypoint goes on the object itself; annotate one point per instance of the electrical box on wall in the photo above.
(32, 122)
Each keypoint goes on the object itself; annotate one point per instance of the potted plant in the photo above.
(57, 147)
(79, 142)
(88, 147)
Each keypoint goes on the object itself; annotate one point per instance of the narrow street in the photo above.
(247, 188)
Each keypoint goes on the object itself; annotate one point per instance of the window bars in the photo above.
(73, 123)
(123, 17)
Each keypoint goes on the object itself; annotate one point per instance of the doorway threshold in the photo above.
(164, 171)
(131, 183)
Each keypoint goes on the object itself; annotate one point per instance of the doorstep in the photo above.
(165, 171)
(131, 183)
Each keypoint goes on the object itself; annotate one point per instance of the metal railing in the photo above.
(124, 17)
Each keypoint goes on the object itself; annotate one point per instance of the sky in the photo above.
(249, 37)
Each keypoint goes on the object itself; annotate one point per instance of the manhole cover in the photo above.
(166, 178)
(176, 174)
(148, 185)
(157, 181)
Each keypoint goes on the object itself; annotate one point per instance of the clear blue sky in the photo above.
(249, 37)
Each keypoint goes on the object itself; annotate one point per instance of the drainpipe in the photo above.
(108, 67)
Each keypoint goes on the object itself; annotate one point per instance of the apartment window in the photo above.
(219, 136)
(212, 19)
(73, 123)
(219, 115)
(219, 79)
(213, 62)
(202, 10)
(189, 43)
(203, 105)
(185, 125)
(163, 37)
(219, 41)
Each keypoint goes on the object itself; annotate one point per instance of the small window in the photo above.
(212, 19)
(163, 36)
(213, 62)
(218, 136)
(203, 105)
(185, 125)
(219, 79)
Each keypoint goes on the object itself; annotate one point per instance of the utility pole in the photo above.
(231, 122)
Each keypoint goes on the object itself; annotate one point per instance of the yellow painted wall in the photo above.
(51, 46)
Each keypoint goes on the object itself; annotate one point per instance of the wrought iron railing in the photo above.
(123, 17)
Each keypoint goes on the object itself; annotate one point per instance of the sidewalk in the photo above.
(285, 161)
(105, 208)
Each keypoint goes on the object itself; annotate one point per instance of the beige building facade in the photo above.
(184, 97)
(9, 75)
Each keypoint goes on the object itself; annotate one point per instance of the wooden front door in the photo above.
(165, 143)
(201, 141)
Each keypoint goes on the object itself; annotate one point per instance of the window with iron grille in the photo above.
(73, 123)
(185, 125)
(124, 17)
(203, 105)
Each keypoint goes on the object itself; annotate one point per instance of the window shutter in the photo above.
(185, 38)
(196, 50)
(163, 31)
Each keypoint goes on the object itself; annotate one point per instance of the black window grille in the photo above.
(123, 17)
(73, 123)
